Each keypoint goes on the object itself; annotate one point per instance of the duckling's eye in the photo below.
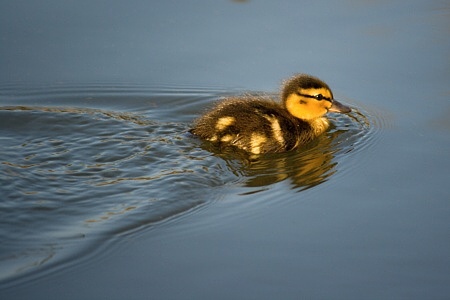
(319, 97)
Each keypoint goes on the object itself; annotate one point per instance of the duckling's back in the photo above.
(253, 125)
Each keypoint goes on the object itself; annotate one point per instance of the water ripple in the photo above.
(99, 161)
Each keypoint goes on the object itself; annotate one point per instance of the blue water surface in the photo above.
(105, 194)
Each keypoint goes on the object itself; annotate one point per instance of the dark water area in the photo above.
(105, 194)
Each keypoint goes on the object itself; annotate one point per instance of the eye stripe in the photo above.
(317, 97)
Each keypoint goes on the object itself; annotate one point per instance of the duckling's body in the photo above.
(257, 125)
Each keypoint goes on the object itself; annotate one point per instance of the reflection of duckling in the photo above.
(256, 125)
(303, 170)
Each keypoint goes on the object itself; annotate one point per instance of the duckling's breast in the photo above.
(319, 125)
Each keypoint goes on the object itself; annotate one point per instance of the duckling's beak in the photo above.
(338, 107)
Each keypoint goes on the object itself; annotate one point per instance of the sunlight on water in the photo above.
(75, 177)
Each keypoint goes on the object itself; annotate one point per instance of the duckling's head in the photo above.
(307, 98)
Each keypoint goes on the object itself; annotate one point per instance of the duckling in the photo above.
(257, 125)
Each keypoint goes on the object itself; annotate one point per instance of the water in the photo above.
(73, 177)
(106, 194)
